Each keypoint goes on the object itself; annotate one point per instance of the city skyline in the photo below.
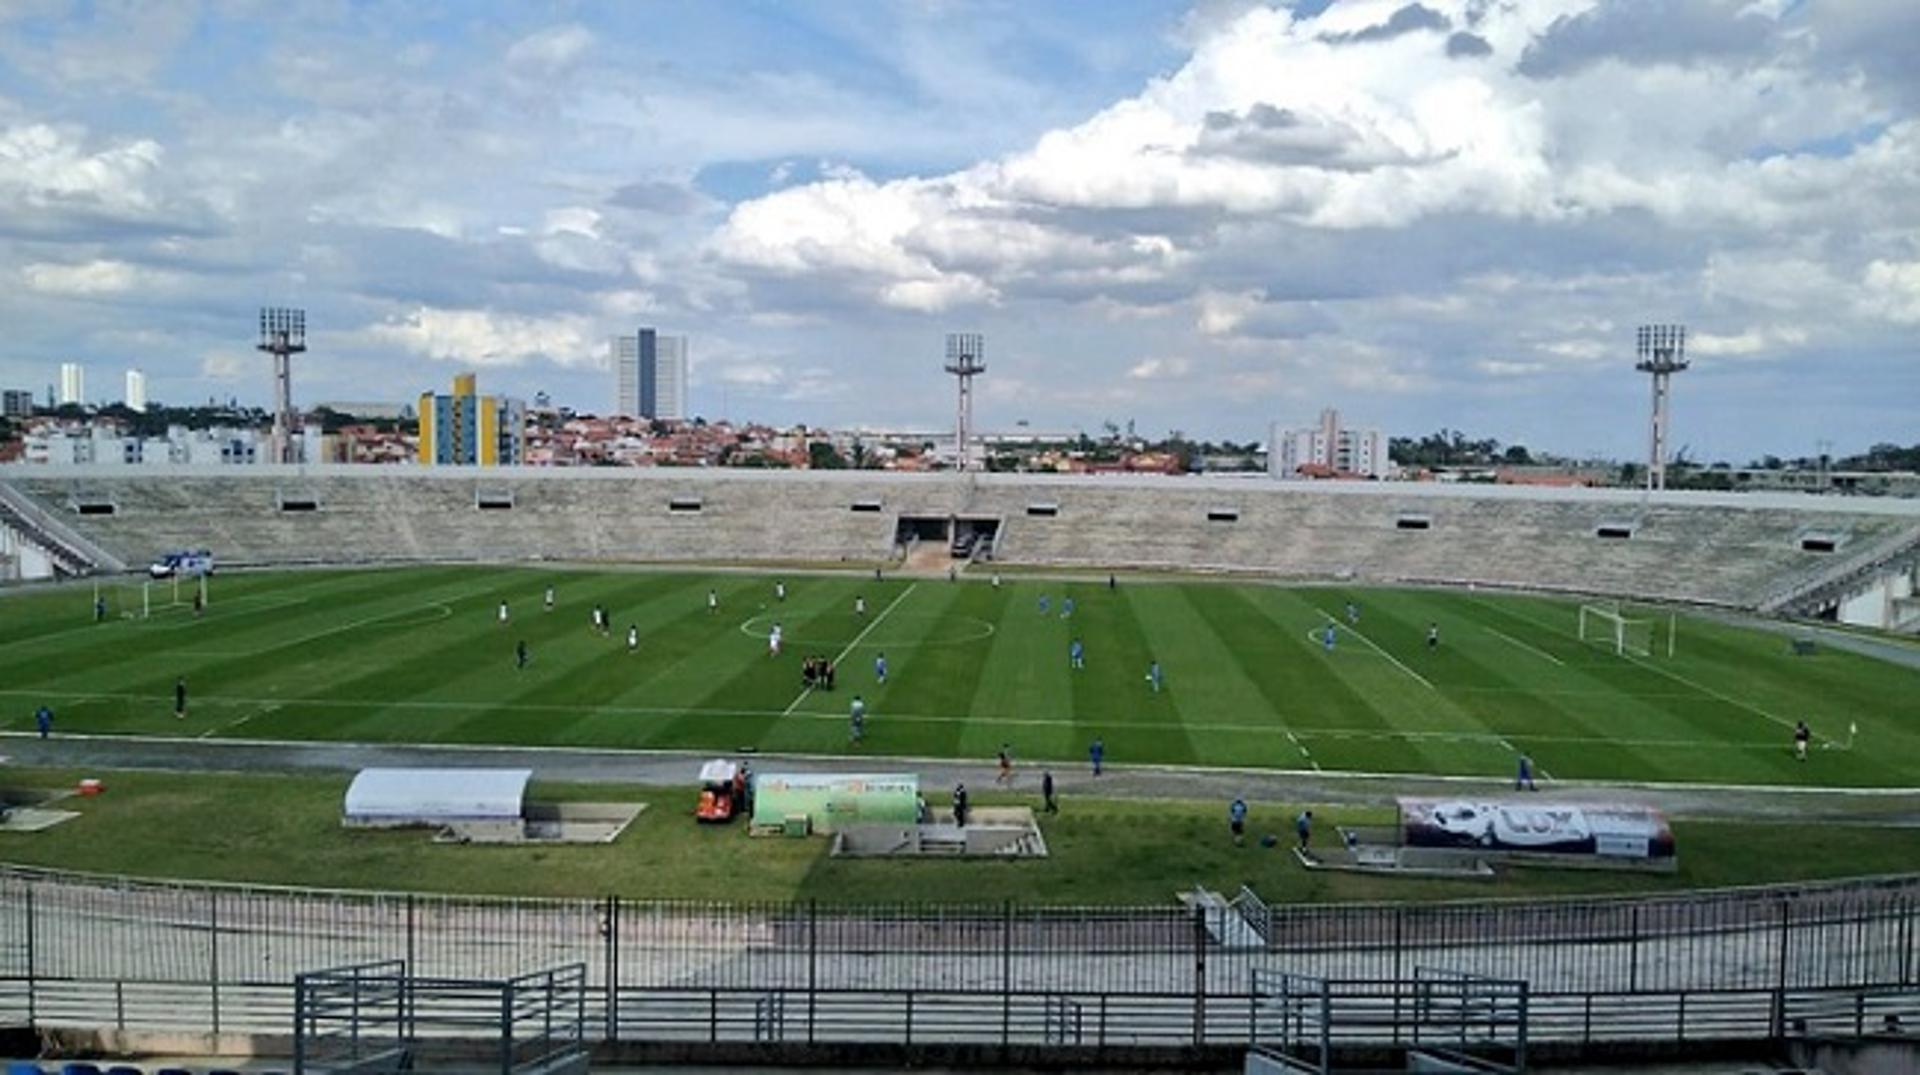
(1204, 217)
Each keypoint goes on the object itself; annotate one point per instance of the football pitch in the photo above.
(419, 655)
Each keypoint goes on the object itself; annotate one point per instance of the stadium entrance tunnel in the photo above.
(963, 536)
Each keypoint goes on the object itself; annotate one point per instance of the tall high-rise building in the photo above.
(650, 375)
(16, 403)
(1329, 448)
(670, 378)
(73, 383)
(625, 351)
(469, 429)
(136, 399)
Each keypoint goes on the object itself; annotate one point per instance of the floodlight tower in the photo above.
(966, 357)
(1662, 350)
(283, 334)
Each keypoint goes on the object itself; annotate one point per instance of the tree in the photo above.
(1883, 457)
(1517, 455)
(1448, 447)
(1184, 451)
(822, 456)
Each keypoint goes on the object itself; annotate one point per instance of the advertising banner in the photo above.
(836, 799)
(1529, 825)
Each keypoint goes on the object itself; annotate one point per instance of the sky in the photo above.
(1202, 217)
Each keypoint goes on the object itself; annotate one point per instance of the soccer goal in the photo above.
(1626, 634)
(139, 600)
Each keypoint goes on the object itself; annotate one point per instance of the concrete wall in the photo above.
(1716, 548)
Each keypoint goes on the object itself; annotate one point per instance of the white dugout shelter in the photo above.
(392, 798)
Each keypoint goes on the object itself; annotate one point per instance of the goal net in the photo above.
(144, 598)
(1610, 627)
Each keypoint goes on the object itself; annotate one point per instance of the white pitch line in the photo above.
(1306, 734)
(242, 719)
(1497, 738)
(1355, 632)
(806, 691)
(1537, 767)
(1535, 650)
(1678, 678)
(1304, 752)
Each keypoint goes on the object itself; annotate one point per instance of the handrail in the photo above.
(64, 541)
(1861, 564)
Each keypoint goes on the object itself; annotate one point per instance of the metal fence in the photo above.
(1478, 1024)
(102, 952)
(381, 1017)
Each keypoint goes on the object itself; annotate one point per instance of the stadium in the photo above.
(1353, 649)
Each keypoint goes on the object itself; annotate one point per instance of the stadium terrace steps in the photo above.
(1724, 549)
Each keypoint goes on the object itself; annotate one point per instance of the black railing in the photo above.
(88, 951)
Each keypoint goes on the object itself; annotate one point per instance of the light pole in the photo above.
(1662, 350)
(283, 334)
(966, 358)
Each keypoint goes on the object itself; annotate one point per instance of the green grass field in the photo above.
(417, 655)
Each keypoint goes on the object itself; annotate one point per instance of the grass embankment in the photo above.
(285, 830)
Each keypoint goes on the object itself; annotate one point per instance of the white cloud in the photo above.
(1270, 119)
(1579, 351)
(44, 166)
(1753, 342)
(757, 374)
(573, 220)
(1893, 290)
(1498, 367)
(98, 277)
(1221, 314)
(228, 366)
(553, 47)
(488, 338)
(1156, 369)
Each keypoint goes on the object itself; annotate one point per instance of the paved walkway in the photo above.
(1905, 654)
(679, 769)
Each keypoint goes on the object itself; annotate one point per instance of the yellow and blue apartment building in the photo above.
(468, 429)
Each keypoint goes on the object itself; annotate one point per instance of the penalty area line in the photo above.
(1397, 663)
(1685, 681)
(1304, 752)
(1535, 650)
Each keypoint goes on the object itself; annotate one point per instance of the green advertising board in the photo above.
(832, 800)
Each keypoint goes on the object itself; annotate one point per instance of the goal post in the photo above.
(1625, 635)
(139, 599)
(122, 599)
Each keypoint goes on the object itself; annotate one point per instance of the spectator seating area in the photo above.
(1728, 549)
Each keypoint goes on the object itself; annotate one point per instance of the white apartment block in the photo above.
(625, 352)
(1346, 451)
(73, 383)
(670, 378)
